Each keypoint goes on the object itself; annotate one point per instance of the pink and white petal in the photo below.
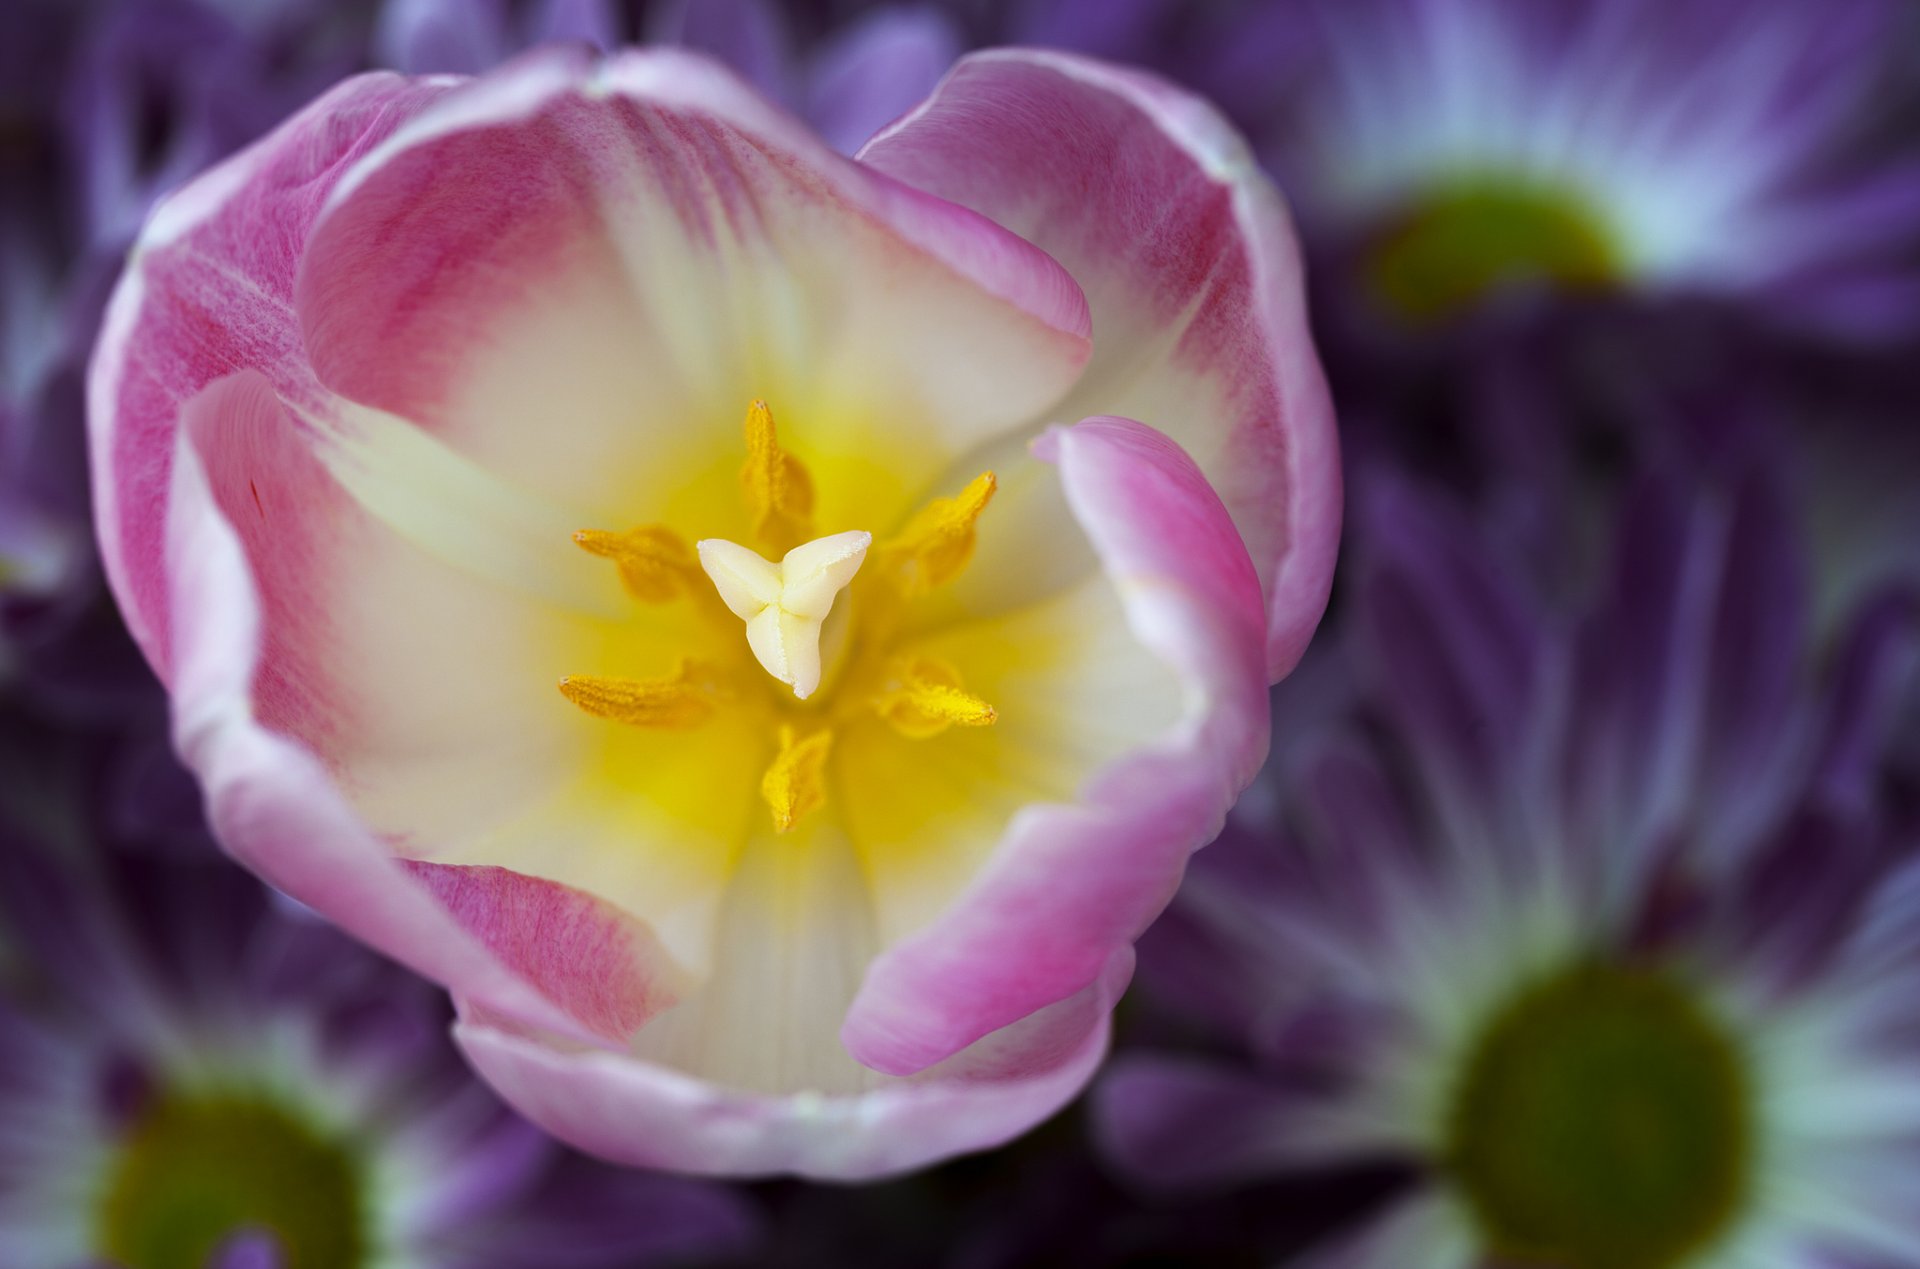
(640, 1113)
(621, 254)
(1188, 259)
(426, 688)
(793, 933)
(1069, 884)
(208, 289)
(604, 968)
(271, 802)
(1074, 691)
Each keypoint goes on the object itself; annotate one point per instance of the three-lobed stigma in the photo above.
(785, 605)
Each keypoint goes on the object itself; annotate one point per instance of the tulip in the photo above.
(764, 629)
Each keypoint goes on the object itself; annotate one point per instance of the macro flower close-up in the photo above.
(959, 634)
(695, 595)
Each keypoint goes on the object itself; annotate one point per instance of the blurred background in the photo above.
(1575, 920)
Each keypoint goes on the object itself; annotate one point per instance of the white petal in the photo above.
(746, 582)
(814, 572)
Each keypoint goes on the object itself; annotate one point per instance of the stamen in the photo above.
(796, 784)
(785, 604)
(924, 697)
(938, 541)
(684, 701)
(779, 490)
(655, 562)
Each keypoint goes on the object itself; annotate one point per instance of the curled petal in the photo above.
(228, 244)
(1068, 885)
(270, 802)
(1189, 262)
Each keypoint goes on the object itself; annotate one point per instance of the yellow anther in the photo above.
(796, 784)
(683, 701)
(655, 563)
(924, 697)
(779, 491)
(938, 541)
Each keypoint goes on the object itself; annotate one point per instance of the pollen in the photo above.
(684, 701)
(796, 783)
(937, 542)
(655, 563)
(924, 696)
(779, 490)
(785, 605)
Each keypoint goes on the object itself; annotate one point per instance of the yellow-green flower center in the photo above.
(1604, 1120)
(799, 627)
(1458, 244)
(197, 1170)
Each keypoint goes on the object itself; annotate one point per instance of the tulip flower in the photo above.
(764, 629)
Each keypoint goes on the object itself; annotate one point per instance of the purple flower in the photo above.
(211, 1079)
(1452, 150)
(1608, 925)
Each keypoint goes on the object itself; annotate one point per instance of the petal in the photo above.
(209, 289)
(1753, 726)
(1175, 1122)
(638, 1113)
(600, 965)
(1876, 668)
(1189, 263)
(631, 250)
(1074, 690)
(1447, 634)
(272, 805)
(1070, 883)
(1426, 1230)
(792, 935)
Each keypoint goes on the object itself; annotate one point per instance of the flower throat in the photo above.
(804, 624)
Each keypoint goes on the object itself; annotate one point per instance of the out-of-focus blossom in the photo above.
(1451, 149)
(885, 722)
(156, 91)
(1605, 925)
(206, 1083)
(102, 107)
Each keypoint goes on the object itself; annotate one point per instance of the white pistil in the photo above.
(784, 604)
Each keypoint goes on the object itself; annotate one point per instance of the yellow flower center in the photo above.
(830, 648)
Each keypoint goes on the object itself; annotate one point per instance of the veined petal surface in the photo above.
(1188, 259)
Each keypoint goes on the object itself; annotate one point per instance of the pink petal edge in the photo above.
(1070, 884)
(271, 804)
(156, 351)
(683, 85)
(1046, 143)
(643, 1114)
